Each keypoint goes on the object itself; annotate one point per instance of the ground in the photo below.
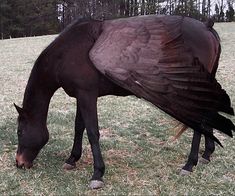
(135, 136)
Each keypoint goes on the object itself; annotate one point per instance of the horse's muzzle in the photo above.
(22, 163)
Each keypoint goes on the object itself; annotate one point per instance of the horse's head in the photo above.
(31, 139)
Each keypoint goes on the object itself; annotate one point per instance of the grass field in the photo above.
(134, 135)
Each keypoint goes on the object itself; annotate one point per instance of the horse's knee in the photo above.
(93, 137)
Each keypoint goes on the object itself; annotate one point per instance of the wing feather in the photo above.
(152, 61)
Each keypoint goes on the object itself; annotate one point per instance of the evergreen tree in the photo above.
(217, 12)
(41, 18)
(209, 8)
(5, 19)
(230, 13)
(28, 18)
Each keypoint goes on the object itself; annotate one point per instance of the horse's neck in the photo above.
(37, 98)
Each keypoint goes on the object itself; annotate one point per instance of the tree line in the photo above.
(20, 18)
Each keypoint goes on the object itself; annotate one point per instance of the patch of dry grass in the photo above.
(139, 157)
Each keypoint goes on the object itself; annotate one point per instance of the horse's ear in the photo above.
(19, 109)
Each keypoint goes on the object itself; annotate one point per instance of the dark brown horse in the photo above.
(169, 61)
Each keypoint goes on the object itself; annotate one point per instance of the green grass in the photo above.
(138, 162)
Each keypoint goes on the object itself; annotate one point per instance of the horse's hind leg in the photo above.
(209, 148)
(77, 144)
(193, 156)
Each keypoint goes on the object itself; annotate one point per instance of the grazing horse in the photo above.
(169, 61)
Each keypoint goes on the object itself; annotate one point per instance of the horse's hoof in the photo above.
(67, 166)
(203, 161)
(184, 172)
(96, 184)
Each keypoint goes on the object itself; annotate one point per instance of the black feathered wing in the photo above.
(152, 61)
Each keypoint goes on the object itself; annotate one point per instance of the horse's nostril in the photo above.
(20, 166)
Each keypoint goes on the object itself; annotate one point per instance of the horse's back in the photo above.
(202, 41)
(198, 37)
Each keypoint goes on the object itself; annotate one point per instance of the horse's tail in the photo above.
(180, 129)
(209, 24)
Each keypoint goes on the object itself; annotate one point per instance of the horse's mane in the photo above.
(73, 28)
(77, 22)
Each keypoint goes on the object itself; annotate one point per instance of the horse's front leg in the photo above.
(77, 144)
(88, 107)
(193, 156)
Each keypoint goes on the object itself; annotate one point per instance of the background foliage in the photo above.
(19, 18)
